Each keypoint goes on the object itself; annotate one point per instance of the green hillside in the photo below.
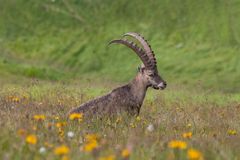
(196, 42)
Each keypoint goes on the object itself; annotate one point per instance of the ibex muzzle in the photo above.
(129, 97)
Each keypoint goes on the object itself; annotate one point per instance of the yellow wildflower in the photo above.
(110, 157)
(31, 139)
(76, 116)
(25, 96)
(61, 132)
(59, 101)
(65, 158)
(61, 124)
(132, 125)
(232, 132)
(13, 99)
(189, 125)
(194, 154)
(138, 118)
(39, 117)
(92, 142)
(56, 118)
(21, 132)
(125, 153)
(34, 128)
(48, 144)
(177, 144)
(91, 137)
(90, 146)
(16, 99)
(118, 120)
(187, 135)
(61, 150)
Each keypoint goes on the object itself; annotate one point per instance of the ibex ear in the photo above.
(141, 69)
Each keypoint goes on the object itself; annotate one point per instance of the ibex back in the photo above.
(128, 98)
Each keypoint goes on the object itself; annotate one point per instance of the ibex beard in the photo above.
(128, 98)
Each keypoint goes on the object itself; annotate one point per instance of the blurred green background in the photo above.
(195, 42)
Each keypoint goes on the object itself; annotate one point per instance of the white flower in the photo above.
(42, 150)
(70, 134)
(150, 127)
(81, 140)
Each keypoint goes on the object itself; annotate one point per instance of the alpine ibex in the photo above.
(129, 97)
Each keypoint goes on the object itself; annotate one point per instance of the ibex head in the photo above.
(148, 71)
(152, 78)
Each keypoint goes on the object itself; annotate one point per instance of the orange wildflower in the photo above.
(125, 153)
(61, 150)
(110, 157)
(31, 139)
(187, 135)
(22, 132)
(39, 117)
(232, 132)
(76, 116)
(61, 124)
(194, 154)
(92, 142)
(176, 144)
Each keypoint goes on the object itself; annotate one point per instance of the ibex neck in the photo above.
(138, 89)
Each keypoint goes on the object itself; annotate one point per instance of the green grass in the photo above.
(209, 116)
(54, 56)
(194, 42)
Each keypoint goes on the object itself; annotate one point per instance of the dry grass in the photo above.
(212, 118)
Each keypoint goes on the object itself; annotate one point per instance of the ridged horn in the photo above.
(145, 45)
(141, 54)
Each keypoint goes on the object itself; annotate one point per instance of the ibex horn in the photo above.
(142, 55)
(145, 45)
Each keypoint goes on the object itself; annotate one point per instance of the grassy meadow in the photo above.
(59, 39)
(54, 56)
(206, 122)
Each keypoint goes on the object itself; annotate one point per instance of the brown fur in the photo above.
(128, 98)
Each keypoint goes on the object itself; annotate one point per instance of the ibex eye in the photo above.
(151, 75)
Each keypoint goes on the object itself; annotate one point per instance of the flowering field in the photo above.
(173, 124)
